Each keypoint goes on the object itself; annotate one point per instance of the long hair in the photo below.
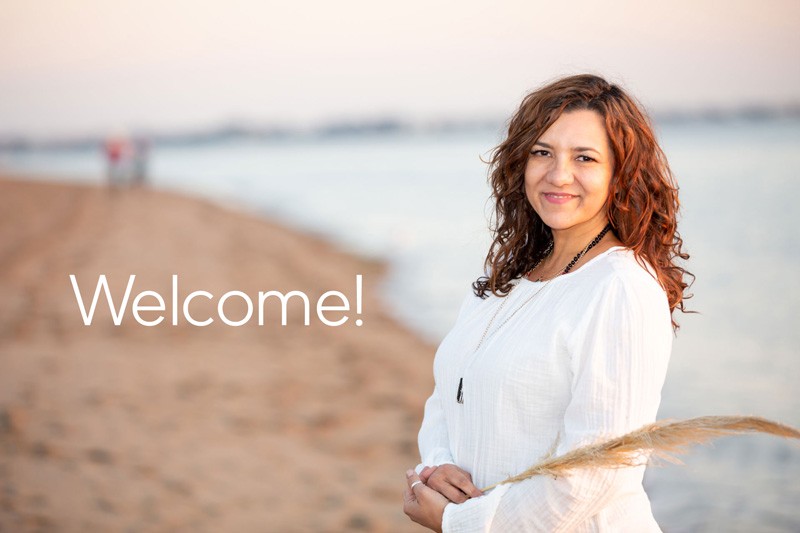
(642, 204)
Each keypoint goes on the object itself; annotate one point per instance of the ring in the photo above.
(417, 482)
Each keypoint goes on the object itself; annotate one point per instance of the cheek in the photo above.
(529, 186)
(530, 177)
(600, 187)
(602, 199)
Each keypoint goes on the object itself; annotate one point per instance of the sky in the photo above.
(92, 66)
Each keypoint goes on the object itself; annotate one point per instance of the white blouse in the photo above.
(565, 363)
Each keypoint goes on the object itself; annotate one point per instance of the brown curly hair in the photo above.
(642, 204)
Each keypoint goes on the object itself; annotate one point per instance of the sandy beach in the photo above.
(185, 428)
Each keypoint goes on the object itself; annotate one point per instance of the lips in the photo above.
(558, 197)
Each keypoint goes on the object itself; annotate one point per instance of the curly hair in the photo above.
(642, 204)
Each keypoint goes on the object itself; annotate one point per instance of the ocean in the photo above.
(420, 202)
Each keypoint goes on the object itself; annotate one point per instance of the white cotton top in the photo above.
(582, 360)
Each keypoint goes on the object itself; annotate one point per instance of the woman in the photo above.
(566, 341)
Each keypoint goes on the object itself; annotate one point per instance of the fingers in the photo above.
(413, 481)
(410, 503)
(452, 493)
(422, 504)
(464, 482)
(426, 472)
(453, 483)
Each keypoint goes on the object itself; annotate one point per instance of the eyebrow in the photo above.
(576, 149)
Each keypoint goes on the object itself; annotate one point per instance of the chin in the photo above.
(558, 223)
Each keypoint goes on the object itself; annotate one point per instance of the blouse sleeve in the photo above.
(433, 440)
(434, 444)
(619, 354)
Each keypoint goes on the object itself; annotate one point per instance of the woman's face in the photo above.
(568, 172)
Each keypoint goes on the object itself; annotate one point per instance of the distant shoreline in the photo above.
(384, 126)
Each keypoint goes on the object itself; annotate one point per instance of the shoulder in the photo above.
(470, 302)
(619, 277)
(623, 301)
(621, 267)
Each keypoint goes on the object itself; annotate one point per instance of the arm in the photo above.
(619, 356)
(433, 440)
(434, 444)
(437, 469)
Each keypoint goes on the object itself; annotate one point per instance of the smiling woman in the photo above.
(566, 340)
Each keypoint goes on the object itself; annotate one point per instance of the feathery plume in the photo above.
(663, 439)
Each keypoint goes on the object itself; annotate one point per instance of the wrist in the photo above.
(441, 516)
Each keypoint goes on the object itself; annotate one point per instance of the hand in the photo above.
(426, 472)
(450, 481)
(422, 504)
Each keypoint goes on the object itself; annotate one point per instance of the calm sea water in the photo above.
(420, 202)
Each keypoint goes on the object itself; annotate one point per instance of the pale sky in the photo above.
(90, 66)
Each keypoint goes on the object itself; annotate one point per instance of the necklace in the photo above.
(566, 269)
(577, 257)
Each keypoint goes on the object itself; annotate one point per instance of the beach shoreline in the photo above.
(213, 428)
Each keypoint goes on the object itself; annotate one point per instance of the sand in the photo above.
(182, 428)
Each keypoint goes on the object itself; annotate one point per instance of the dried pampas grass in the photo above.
(662, 439)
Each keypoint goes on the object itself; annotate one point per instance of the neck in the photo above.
(568, 242)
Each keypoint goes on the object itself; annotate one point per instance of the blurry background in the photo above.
(364, 124)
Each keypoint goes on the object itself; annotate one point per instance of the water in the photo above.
(420, 202)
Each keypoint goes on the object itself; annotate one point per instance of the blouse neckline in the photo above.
(524, 279)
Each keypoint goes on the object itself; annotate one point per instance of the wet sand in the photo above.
(186, 428)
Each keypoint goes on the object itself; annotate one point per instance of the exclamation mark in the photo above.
(358, 299)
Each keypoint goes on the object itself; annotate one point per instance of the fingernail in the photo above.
(409, 473)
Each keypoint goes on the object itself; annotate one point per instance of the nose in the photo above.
(560, 173)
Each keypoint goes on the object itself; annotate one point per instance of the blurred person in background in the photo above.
(118, 151)
(141, 151)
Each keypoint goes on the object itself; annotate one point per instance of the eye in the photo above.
(540, 153)
(585, 159)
